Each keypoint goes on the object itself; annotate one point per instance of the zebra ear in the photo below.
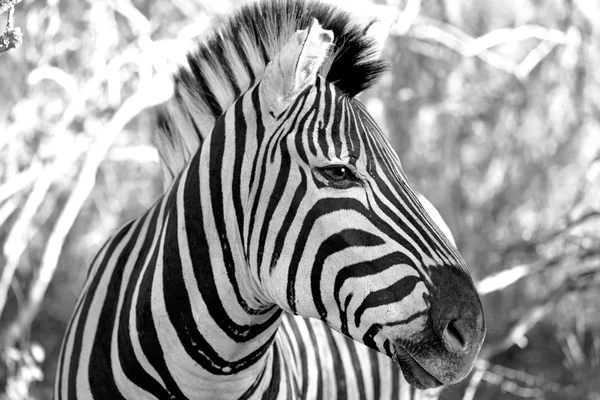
(295, 67)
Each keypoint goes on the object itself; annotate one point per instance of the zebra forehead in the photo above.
(343, 122)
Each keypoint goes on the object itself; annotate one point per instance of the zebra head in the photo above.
(342, 236)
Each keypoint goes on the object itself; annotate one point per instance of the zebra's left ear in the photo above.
(295, 67)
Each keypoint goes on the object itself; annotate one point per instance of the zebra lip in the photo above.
(413, 372)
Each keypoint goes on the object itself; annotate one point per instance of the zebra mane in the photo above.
(233, 57)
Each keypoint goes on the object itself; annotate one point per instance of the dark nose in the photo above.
(456, 336)
(456, 311)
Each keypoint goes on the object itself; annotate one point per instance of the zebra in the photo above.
(288, 258)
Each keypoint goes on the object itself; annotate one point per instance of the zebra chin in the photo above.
(414, 373)
(433, 371)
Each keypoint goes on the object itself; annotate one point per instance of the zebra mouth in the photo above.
(414, 373)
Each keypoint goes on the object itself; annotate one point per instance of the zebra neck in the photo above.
(214, 331)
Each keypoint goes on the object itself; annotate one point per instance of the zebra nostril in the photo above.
(455, 336)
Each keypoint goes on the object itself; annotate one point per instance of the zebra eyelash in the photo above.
(338, 176)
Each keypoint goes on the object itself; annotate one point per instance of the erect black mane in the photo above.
(269, 24)
(233, 57)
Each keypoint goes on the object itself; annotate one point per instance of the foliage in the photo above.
(492, 106)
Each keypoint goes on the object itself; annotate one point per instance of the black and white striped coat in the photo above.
(284, 198)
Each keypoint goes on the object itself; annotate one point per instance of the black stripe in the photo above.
(85, 310)
(312, 133)
(321, 207)
(260, 130)
(375, 378)
(360, 383)
(131, 365)
(146, 330)
(363, 269)
(394, 293)
(318, 358)
(334, 244)
(303, 358)
(272, 391)
(263, 171)
(240, 132)
(217, 152)
(338, 365)
(278, 192)
(248, 394)
(101, 378)
(289, 218)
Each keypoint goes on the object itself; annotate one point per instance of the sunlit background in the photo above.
(492, 105)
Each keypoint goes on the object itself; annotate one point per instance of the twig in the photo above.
(457, 43)
(565, 225)
(481, 367)
(507, 277)
(16, 243)
(6, 5)
(517, 333)
(468, 46)
(521, 328)
(511, 379)
(592, 175)
(12, 37)
(20, 181)
(534, 58)
(407, 17)
(55, 74)
(138, 21)
(510, 35)
(7, 208)
(146, 97)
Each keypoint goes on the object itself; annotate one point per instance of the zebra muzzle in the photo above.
(413, 372)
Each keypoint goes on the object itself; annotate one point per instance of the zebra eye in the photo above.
(338, 174)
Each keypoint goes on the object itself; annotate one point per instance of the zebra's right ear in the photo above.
(295, 67)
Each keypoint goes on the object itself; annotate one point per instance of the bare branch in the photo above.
(456, 43)
(16, 242)
(592, 175)
(139, 23)
(510, 35)
(519, 383)
(507, 277)
(12, 37)
(481, 367)
(55, 74)
(7, 208)
(468, 46)
(517, 334)
(20, 181)
(534, 58)
(407, 17)
(6, 5)
(144, 98)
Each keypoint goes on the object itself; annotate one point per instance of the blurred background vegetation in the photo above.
(492, 105)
